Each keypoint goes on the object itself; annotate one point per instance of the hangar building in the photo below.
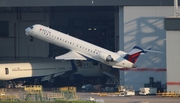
(114, 25)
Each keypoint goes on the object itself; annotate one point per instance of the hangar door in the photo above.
(30, 48)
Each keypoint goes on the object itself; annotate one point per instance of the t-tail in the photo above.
(133, 55)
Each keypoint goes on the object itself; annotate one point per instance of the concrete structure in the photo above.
(173, 49)
(116, 25)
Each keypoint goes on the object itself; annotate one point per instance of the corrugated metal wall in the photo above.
(17, 44)
(173, 60)
(144, 27)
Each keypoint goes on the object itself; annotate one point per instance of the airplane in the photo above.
(44, 69)
(82, 50)
(15, 72)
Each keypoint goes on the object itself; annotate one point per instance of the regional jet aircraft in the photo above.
(82, 50)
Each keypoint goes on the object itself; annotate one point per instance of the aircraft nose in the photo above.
(27, 30)
(134, 66)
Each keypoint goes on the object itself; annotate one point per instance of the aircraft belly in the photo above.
(121, 64)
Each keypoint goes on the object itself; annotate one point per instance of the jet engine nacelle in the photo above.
(106, 57)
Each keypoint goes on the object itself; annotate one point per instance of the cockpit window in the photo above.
(31, 27)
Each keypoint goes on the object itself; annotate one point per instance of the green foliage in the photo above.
(59, 101)
(74, 101)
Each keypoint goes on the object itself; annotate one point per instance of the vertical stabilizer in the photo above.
(133, 55)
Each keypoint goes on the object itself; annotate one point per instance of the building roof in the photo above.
(27, 3)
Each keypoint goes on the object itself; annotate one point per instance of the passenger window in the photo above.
(6, 71)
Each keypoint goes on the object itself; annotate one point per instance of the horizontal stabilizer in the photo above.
(152, 51)
(71, 56)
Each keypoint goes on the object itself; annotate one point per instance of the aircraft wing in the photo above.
(48, 77)
(117, 67)
(70, 56)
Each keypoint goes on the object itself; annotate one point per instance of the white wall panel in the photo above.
(173, 64)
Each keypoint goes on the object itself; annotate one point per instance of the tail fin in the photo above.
(133, 55)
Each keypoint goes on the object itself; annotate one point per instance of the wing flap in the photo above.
(49, 77)
(70, 56)
(117, 67)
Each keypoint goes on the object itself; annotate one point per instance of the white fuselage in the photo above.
(40, 68)
(76, 45)
(18, 70)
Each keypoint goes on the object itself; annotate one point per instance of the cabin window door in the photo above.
(6, 71)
